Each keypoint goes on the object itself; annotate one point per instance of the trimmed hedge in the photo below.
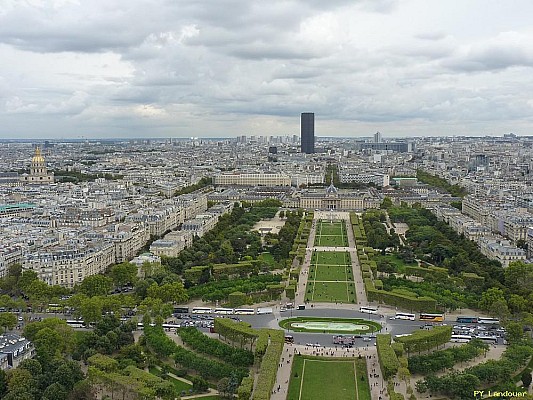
(387, 357)
(237, 332)
(206, 345)
(244, 391)
(422, 340)
(269, 366)
(243, 268)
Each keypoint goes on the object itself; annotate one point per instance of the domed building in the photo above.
(38, 172)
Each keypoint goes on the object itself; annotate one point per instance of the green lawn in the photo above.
(267, 258)
(363, 388)
(334, 325)
(331, 258)
(331, 292)
(320, 378)
(330, 278)
(332, 234)
(179, 385)
(331, 273)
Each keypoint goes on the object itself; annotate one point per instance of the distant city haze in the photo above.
(410, 68)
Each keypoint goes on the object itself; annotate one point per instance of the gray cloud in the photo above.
(211, 68)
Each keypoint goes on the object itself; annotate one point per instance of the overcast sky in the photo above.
(214, 68)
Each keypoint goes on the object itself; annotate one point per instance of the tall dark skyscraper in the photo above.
(307, 131)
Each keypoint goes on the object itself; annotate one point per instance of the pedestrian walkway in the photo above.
(351, 249)
(369, 353)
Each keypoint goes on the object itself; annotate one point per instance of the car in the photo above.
(392, 318)
(367, 339)
(20, 319)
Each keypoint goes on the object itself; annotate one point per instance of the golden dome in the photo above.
(37, 158)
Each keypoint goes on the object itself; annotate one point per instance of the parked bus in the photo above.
(289, 339)
(488, 321)
(244, 311)
(460, 338)
(169, 327)
(75, 323)
(54, 308)
(466, 320)
(223, 311)
(344, 340)
(368, 310)
(408, 316)
(431, 317)
(201, 310)
(181, 310)
(488, 339)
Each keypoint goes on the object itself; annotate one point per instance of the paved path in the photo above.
(369, 353)
(356, 268)
(284, 369)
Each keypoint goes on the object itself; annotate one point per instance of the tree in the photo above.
(519, 278)
(169, 292)
(526, 378)
(26, 278)
(68, 374)
(489, 297)
(91, 309)
(95, 285)
(47, 344)
(3, 383)
(32, 365)
(8, 320)
(386, 203)
(499, 309)
(515, 331)
(55, 391)
(20, 380)
(124, 273)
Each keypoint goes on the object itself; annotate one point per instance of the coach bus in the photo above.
(181, 310)
(201, 310)
(368, 310)
(289, 339)
(488, 339)
(408, 316)
(244, 311)
(488, 321)
(170, 327)
(75, 323)
(460, 338)
(344, 340)
(431, 317)
(223, 311)
(467, 320)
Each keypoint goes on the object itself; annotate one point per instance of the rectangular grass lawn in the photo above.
(331, 273)
(331, 234)
(331, 292)
(318, 379)
(331, 258)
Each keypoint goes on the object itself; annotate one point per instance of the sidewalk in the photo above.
(377, 385)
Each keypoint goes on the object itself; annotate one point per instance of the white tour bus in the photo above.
(223, 311)
(368, 310)
(201, 310)
(488, 339)
(491, 321)
(244, 311)
(460, 338)
(75, 323)
(403, 315)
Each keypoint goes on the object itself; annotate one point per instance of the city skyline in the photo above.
(78, 71)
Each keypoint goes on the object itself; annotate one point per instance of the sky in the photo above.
(222, 68)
